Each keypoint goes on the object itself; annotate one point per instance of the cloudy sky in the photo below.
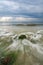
(21, 11)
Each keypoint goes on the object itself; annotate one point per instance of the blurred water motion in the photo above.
(25, 42)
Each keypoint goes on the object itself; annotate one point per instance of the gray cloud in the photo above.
(21, 8)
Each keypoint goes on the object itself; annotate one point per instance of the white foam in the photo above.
(40, 32)
(36, 49)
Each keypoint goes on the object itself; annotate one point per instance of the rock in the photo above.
(22, 37)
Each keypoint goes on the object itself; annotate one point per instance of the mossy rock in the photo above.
(9, 58)
(22, 37)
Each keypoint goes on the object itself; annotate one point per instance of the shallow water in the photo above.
(31, 47)
(18, 29)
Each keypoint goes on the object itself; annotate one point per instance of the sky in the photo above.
(27, 11)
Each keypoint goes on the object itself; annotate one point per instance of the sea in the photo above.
(18, 29)
(30, 47)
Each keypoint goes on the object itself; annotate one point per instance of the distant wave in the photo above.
(19, 24)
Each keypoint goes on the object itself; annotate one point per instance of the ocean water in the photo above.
(18, 29)
(26, 41)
